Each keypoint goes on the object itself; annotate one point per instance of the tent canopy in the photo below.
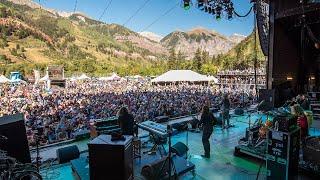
(213, 79)
(180, 76)
(83, 77)
(113, 77)
(45, 78)
(3, 79)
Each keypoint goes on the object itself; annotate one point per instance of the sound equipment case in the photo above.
(283, 154)
(110, 159)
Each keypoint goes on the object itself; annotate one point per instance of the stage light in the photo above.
(200, 3)
(209, 10)
(186, 4)
(218, 12)
(317, 45)
(289, 78)
(230, 10)
(206, 9)
(218, 17)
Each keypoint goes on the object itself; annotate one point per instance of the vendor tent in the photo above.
(180, 76)
(213, 79)
(45, 78)
(113, 77)
(3, 79)
(83, 77)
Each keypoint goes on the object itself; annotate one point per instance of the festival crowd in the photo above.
(64, 111)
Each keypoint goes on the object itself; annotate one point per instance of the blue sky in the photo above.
(178, 19)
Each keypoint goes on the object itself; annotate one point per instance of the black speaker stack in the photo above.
(111, 159)
(16, 144)
(67, 154)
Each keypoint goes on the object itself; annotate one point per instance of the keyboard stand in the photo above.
(155, 146)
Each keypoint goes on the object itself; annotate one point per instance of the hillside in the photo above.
(242, 55)
(33, 37)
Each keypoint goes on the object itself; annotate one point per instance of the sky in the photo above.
(120, 11)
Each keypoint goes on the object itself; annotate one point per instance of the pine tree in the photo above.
(205, 57)
(180, 60)
(172, 64)
(213, 59)
(197, 60)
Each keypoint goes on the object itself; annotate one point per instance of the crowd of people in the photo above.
(64, 111)
(244, 79)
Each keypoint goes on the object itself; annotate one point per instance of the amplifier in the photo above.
(311, 151)
(285, 123)
(110, 159)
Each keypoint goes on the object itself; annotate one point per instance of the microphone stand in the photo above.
(169, 158)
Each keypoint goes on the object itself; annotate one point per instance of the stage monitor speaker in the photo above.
(180, 149)
(238, 111)
(266, 96)
(152, 171)
(110, 159)
(16, 145)
(67, 154)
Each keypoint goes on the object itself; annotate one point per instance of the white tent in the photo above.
(3, 79)
(137, 77)
(83, 77)
(17, 81)
(45, 78)
(213, 79)
(113, 77)
(180, 76)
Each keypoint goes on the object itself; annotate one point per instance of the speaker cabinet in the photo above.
(180, 149)
(16, 145)
(67, 154)
(110, 159)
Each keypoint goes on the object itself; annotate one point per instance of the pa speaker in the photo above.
(180, 149)
(152, 171)
(238, 111)
(67, 154)
(16, 144)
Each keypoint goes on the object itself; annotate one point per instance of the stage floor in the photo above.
(222, 164)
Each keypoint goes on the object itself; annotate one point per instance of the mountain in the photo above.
(32, 37)
(152, 36)
(242, 55)
(236, 38)
(188, 42)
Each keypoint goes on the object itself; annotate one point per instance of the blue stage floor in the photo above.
(222, 164)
